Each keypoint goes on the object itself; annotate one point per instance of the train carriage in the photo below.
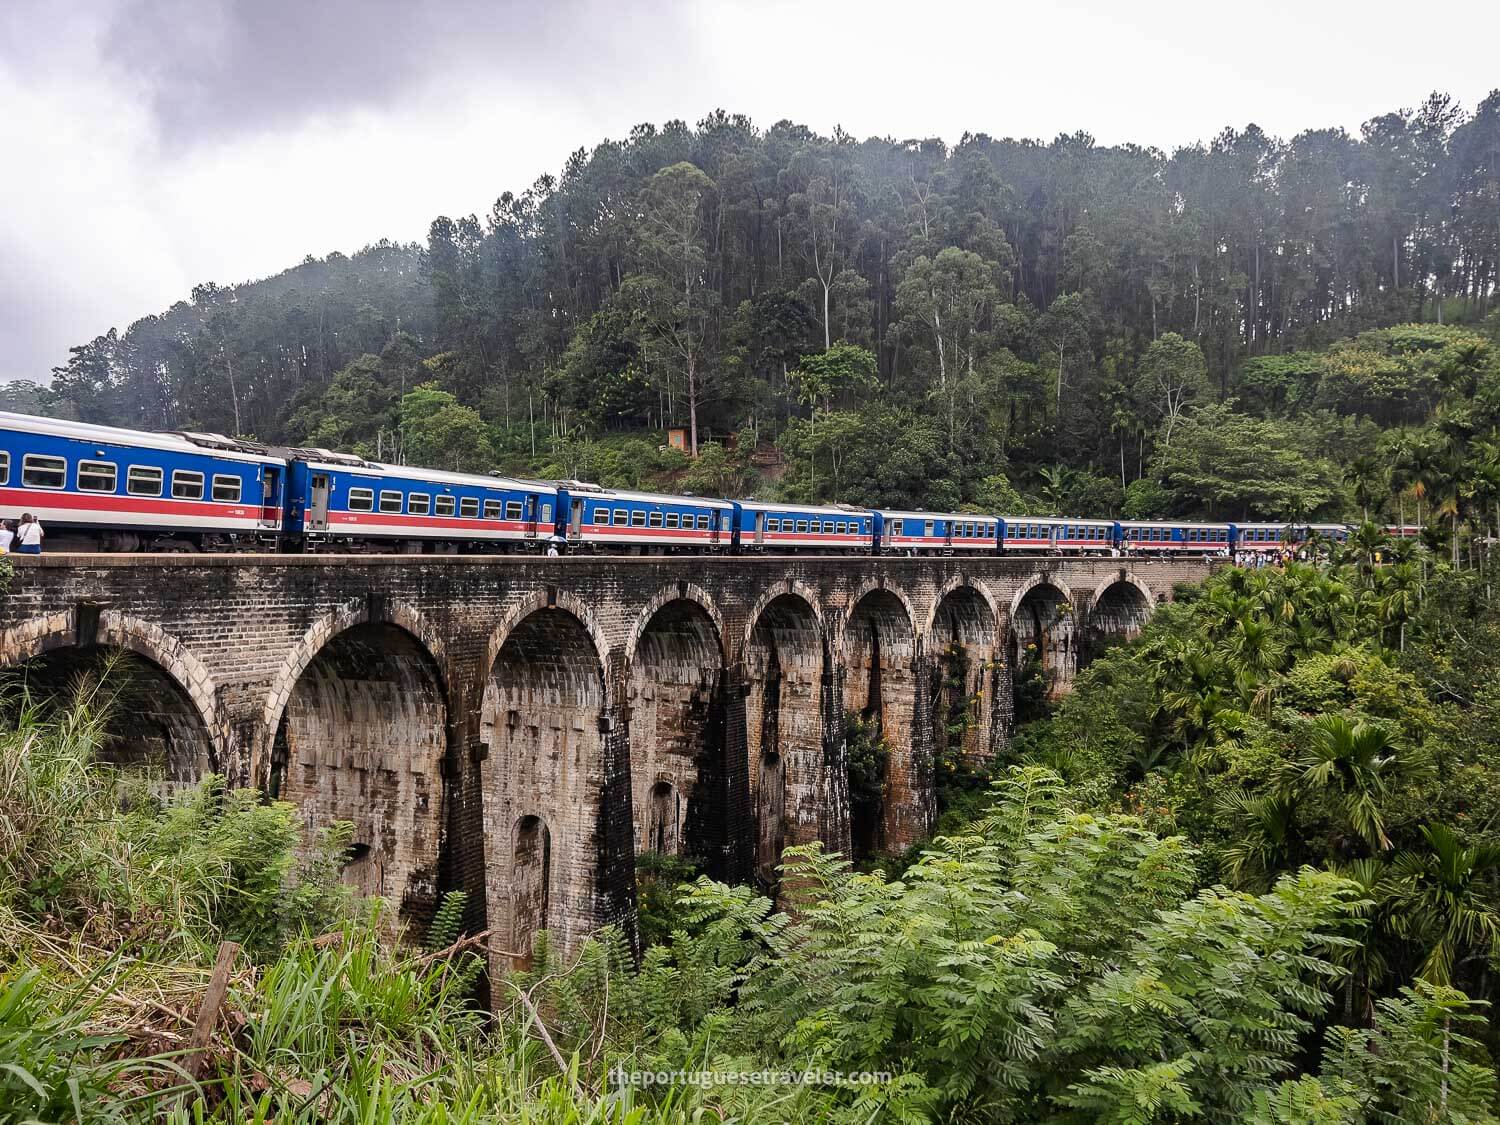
(1260, 538)
(1084, 537)
(118, 489)
(603, 519)
(1165, 537)
(341, 499)
(760, 526)
(941, 532)
(1027, 534)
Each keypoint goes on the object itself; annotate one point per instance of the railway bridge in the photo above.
(522, 728)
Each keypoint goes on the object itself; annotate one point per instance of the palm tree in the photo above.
(1443, 902)
(1353, 762)
(1265, 837)
(1367, 480)
(1401, 597)
(1364, 961)
(1368, 541)
(1057, 482)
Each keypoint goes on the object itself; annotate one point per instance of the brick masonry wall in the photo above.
(500, 724)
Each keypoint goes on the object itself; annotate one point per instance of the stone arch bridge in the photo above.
(523, 728)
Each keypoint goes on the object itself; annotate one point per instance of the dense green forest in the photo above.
(1248, 870)
(1003, 323)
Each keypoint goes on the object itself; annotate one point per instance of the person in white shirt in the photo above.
(7, 537)
(29, 536)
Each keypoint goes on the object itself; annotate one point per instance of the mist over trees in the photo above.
(1026, 306)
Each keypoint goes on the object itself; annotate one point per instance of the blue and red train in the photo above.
(105, 488)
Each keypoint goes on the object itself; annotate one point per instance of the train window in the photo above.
(444, 505)
(655, 519)
(360, 499)
(468, 507)
(773, 524)
(673, 519)
(802, 527)
(389, 501)
(702, 521)
(546, 516)
(4, 467)
(637, 518)
(512, 509)
(227, 491)
(600, 517)
(189, 486)
(96, 476)
(43, 472)
(143, 480)
(621, 517)
(492, 509)
(418, 504)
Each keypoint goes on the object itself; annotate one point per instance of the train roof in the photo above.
(584, 488)
(183, 442)
(360, 467)
(893, 512)
(809, 509)
(1170, 523)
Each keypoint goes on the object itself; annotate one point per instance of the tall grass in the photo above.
(113, 900)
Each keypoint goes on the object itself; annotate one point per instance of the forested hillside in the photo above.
(1061, 319)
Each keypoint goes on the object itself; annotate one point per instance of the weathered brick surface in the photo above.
(520, 728)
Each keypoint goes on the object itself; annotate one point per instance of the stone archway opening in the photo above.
(150, 722)
(676, 699)
(543, 719)
(890, 797)
(1044, 646)
(1118, 615)
(530, 886)
(784, 665)
(362, 739)
(971, 710)
(663, 819)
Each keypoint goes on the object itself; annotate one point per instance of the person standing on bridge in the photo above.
(29, 536)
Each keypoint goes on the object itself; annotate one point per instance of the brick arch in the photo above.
(961, 582)
(44, 634)
(1130, 578)
(356, 611)
(797, 589)
(683, 592)
(544, 599)
(1031, 584)
(866, 588)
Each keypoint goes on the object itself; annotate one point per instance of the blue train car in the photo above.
(941, 532)
(1164, 537)
(603, 519)
(1027, 534)
(341, 499)
(105, 487)
(1260, 538)
(1085, 537)
(800, 527)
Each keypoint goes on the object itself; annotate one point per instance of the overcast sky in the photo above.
(149, 145)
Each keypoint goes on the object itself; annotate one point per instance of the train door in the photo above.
(575, 520)
(947, 526)
(713, 527)
(270, 497)
(530, 521)
(760, 529)
(317, 508)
